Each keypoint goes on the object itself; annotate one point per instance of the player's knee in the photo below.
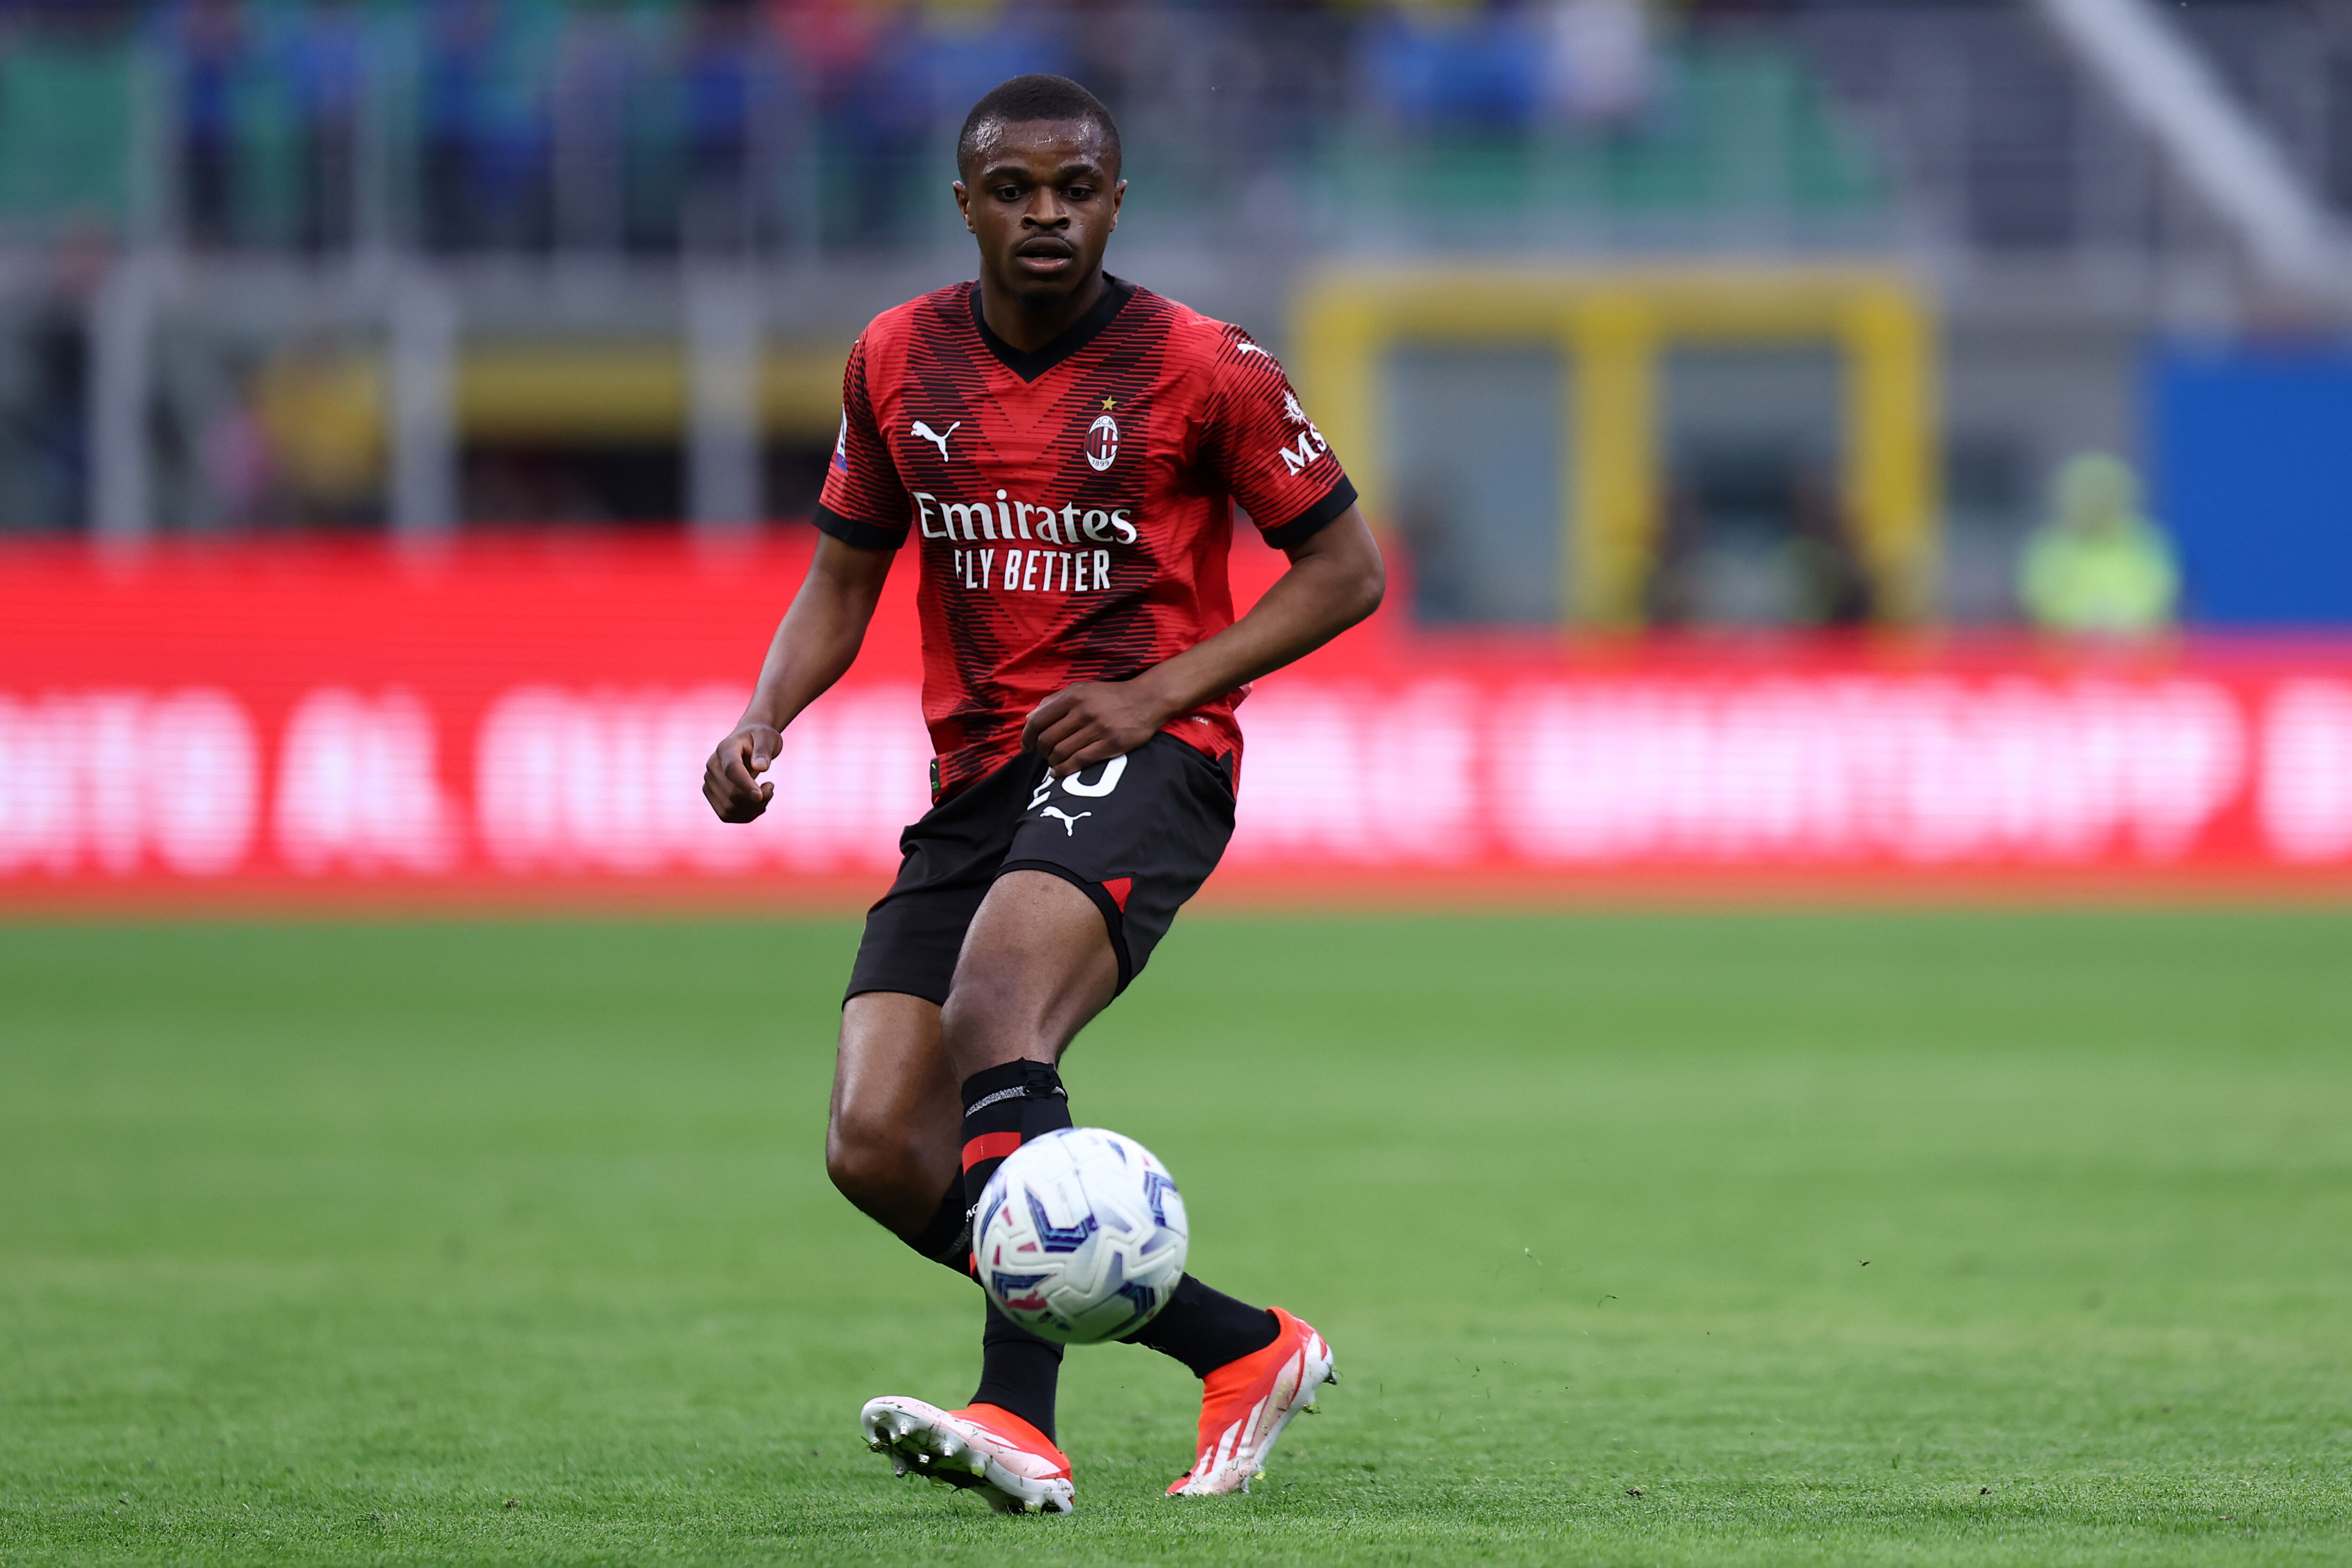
(873, 1164)
(972, 1012)
(989, 1020)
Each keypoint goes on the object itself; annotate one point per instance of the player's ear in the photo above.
(1117, 198)
(964, 205)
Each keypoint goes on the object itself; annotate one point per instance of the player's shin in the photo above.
(1004, 1107)
(1206, 1328)
(946, 1237)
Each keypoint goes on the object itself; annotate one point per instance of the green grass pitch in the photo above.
(1656, 1238)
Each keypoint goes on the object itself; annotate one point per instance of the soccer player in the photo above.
(1064, 449)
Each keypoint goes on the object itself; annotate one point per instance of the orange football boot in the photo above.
(1245, 1404)
(980, 1447)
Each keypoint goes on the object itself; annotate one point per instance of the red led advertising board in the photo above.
(525, 722)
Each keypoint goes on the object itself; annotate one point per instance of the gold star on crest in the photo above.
(1110, 404)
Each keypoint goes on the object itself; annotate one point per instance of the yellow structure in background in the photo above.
(582, 394)
(1613, 326)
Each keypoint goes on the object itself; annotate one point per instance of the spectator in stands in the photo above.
(1474, 74)
(211, 54)
(88, 19)
(454, 87)
(1442, 592)
(597, 67)
(240, 485)
(874, 101)
(484, 159)
(718, 86)
(43, 419)
(2099, 565)
(1597, 68)
(324, 74)
(1832, 584)
(1670, 593)
(322, 408)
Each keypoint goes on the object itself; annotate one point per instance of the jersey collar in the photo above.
(1117, 292)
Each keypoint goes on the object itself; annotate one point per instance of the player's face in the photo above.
(1041, 197)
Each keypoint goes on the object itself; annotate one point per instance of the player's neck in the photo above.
(1030, 327)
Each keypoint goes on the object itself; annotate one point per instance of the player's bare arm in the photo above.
(1336, 579)
(812, 648)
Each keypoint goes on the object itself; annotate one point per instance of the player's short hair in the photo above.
(1025, 98)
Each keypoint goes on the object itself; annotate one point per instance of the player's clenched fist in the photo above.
(729, 779)
(1091, 722)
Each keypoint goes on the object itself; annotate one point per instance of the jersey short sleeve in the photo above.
(1269, 454)
(863, 503)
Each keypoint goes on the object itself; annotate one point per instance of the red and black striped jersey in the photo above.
(1073, 506)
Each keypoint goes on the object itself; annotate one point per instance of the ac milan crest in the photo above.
(1102, 442)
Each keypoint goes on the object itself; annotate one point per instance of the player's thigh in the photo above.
(1137, 836)
(1037, 964)
(895, 1119)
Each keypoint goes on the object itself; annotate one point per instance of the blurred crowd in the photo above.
(823, 130)
(523, 126)
(653, 125)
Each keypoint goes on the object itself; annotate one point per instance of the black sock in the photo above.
(947, 1237)
(1205, 1329)
(1018, 1370)
(1004, 1107)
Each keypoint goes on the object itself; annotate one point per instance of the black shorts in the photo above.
(1137, 835)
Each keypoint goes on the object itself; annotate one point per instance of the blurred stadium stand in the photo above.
(1761, 315)
(468, 265)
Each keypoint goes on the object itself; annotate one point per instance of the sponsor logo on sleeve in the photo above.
(1303, 453)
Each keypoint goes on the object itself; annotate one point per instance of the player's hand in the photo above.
(1091, 722)
(728, 778)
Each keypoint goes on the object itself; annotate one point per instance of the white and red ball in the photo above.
(1080, 1236)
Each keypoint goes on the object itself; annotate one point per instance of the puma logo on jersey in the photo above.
(936, 438)
(1070, 823)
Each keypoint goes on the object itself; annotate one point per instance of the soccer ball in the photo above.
(1080, 1236)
